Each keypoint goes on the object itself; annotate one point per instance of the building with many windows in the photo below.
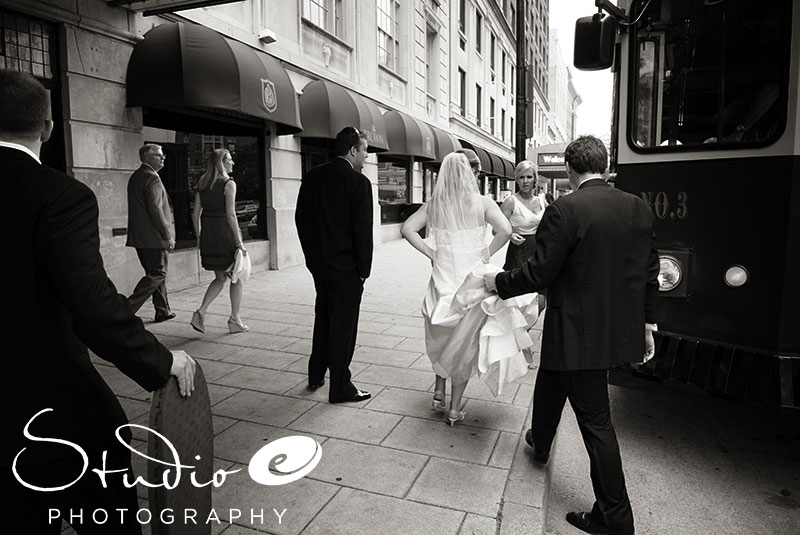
(273, 81)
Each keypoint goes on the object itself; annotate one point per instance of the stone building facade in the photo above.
(443, 70)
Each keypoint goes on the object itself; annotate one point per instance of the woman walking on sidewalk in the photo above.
(455, 307)
(219, 236)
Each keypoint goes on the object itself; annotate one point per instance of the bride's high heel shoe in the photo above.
(454, 417)
(235, 326)
(438, 403)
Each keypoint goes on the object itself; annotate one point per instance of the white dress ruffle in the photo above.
(468, 330)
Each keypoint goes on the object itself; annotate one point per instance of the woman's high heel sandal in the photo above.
(438, 402)
(455, 416)
(198, 322)
(235, 326)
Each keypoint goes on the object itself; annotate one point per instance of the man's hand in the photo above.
(170, 244)
(517, 239)
(183, 368)
(649, 342)
(489, 281)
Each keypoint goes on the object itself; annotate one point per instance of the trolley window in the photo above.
(709, 73)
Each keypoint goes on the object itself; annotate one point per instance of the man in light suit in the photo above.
(334, 223)
(63, 302)
(595, 254)
(151, 230)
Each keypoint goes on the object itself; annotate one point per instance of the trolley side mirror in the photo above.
(594, 42)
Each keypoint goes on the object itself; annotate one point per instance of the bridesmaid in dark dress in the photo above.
(219, 236)
(524, 210)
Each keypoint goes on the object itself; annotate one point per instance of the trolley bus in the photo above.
(706, 129)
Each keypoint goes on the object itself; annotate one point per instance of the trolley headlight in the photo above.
(736, 276)
(670, 273)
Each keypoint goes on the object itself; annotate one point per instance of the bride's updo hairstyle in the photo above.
(451, 206)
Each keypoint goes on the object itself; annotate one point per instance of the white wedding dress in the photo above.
(468, 330)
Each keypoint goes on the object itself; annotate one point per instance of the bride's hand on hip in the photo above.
(517, 239)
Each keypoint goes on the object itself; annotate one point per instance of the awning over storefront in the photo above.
(187, 66)
(326, 108)
(483, 156)
(444, 143)
(502, 167)
(491, 164)
(408, 136)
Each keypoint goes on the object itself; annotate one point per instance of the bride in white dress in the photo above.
(468, 331)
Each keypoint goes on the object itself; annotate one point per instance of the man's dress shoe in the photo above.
(169, 316)
(583, 521)
(360, 395)
(539, 456)
(314, 386)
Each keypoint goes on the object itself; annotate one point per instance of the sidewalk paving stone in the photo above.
(302, 500)
(504, 450)
(398, 377)
(219, 393)
(346, 422)
(365, 326)
(263, 380)
(417, 345)
(388, 357)
(478, 525)
(521, 520)
(239, 442)
(260, 358)
(460, 485)
(405, 402)
(355, 511)
(214, 370)
(413, 320)
(415, 332)
(251, 339)
(436, 438)
(206, 349)
(491, 415)
(380, 340)
(301, 346)
(262, 408)
(369, 468)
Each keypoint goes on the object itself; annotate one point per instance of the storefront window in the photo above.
(186, 161)
(392, 190)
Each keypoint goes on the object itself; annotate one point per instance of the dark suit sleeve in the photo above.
(651, 288)
(298, 215)
(541, 269)
(101, 318)
(152, 193)
(362, 227)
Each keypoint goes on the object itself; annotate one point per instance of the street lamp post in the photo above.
(522, 70)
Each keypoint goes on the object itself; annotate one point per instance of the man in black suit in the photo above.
(595, 254)
(334, 223)
(151, 230)
(63, 302)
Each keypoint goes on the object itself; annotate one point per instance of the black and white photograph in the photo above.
(401, 267)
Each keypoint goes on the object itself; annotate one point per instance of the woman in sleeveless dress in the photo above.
(523, 210)
(219, 236)
(467, 330)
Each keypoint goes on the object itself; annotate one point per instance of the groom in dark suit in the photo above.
(334, 223)
(595, 254)
(151, 230)
(63, 302)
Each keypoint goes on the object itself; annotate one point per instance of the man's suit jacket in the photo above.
(334, 221)
(596, 256)
(150, 222)
(62, 301)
